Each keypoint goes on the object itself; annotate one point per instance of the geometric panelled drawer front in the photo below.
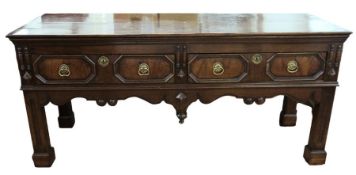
(145, 68)
(295, 66)
(64, 69)
(215, 68)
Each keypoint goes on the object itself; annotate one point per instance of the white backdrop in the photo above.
(135, 137)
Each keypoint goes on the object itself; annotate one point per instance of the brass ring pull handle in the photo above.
(63, 70)
(256, 59)
(143, 69)
(218, 69)
(292, 66)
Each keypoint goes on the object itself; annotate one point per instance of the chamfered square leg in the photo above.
(43, 155)
(66, 116)
(288, 116)
(314, 152)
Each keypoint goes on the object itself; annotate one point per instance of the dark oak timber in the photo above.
(178, 59)
(66, 116)
(43, 155)
(288, 115)
(314, 152)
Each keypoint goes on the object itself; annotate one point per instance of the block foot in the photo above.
(44, 159)
(66, 116)
(66, 121)
(287, 119)
(314, 157)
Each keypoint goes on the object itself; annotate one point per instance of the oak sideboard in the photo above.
(178, 59)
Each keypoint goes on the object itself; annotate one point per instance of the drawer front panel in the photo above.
(103, 64)
(64, 69)
(174, 66)
(295, 66)
(144, 68)
(210, 68)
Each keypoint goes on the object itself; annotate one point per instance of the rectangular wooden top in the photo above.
(131, 25)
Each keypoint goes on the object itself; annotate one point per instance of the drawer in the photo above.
(64, 69)
(213, 68)
(295, 66)
(104, 68)
(104, 64)
(144, 68)
(255, 67)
